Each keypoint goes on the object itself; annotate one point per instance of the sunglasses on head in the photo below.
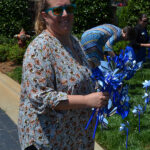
(58, 11)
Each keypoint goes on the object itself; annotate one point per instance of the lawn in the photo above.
(112, 138)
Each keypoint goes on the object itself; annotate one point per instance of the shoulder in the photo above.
(42, 41)
(75, 39)
(115, 27)
(112, 27)
(40, 46)
(138, 27)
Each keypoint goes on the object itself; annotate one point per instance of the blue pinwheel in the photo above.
(125, 127)
(138, 110)
(146, 96)
(146, 84)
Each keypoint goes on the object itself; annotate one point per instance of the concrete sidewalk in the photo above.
(9, 100)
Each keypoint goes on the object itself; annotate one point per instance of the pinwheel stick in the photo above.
(97, 120)
(139, 121)
(127, 139)
(93, 113)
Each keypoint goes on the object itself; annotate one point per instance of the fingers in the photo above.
(104, 95)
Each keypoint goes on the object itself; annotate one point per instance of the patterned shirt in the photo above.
(50, 73)
(104, 35)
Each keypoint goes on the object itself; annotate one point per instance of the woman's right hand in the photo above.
(97, 99)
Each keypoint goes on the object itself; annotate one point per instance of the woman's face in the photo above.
(144, 22)
(59, 25)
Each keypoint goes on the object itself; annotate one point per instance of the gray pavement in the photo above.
(8, 133)
(9, 105)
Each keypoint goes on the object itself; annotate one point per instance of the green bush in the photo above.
(9, 49)
(6, 40)
(91, 13)
(119, 46)
(4, 52)
(129, 15)
(16, 54)
(15, 14)
(16, 74)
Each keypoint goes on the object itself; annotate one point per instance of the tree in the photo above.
(14, 14)
(129, 15)
(90, 13)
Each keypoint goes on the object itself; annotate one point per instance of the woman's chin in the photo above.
(65, 30)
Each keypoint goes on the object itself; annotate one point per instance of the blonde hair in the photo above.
(40, 24)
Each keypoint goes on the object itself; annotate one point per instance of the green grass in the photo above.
(111, 138)
(16, 74)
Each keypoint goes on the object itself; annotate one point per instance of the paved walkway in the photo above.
(9, 102)
(8, 133)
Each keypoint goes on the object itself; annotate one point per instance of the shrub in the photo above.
(129, 15)
(119, 46)
(16, 54)
(15, 14)
(4, 52)
(16, 74)
(90, 13)
(6, 40)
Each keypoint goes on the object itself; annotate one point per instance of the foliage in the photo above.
(111, 138)
(119, 46)
(6, 40)
(16, 74)
(129, 15)
(91, 13)
(16, 54)
(15, 14)
(4, 52)
(9, 50)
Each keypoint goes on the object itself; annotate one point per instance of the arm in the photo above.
(111, 53)
(96, 100)
(109, 44)
(28, 36)
(145, 44)
(16, 36)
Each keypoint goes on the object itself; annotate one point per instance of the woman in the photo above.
(56, 91)
(106, 35)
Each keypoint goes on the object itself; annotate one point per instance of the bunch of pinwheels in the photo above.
(110, 76)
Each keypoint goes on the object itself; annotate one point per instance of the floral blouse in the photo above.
(50, 73)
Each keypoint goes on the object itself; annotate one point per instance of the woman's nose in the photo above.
(64, 13)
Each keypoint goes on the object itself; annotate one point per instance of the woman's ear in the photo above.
(44, 15)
